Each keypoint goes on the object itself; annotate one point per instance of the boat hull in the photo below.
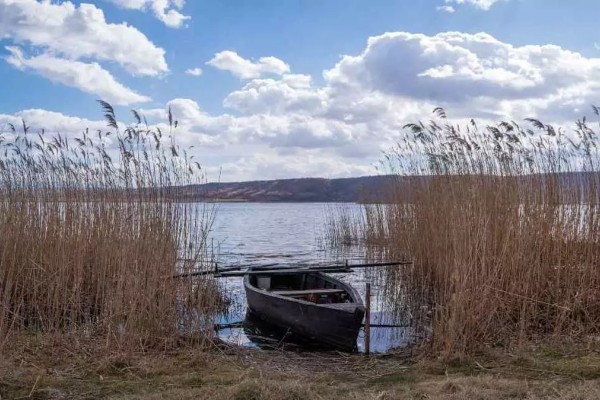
(336, 325)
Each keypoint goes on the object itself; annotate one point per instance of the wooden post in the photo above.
(368, 319)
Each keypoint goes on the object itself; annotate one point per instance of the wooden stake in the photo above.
(368, 319)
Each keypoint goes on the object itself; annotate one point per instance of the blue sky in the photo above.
(296, 88)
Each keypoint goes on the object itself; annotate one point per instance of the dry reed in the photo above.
(92, 231)
(503, 226)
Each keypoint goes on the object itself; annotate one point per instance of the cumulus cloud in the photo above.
(166, 11)
(194, 71)
(399, 77)
(246, 69)
(87, 77)
(459, 70)
(281, 130)
(291, 93)
(76, 32)
(287, 125)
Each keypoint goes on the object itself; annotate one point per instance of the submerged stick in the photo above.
(231, 325)
(386, 326)
(240, 324)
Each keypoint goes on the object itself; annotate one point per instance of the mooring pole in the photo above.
(368, 319)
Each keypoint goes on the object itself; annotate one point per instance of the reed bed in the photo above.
(343, 226)
(92, 232)
(503, 225)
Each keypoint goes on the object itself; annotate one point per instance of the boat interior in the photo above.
(310, 287)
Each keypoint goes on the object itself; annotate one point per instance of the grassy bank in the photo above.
(504, 283)
(90, 237)
(502, 223)
(60, 367)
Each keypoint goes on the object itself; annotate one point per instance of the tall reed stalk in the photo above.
(92, 231)
(503, 226)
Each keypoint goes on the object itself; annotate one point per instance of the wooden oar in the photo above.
(368, 265)
(234, 271)
(344, 268)
(278, 271)
(205, 272)
(218, 270)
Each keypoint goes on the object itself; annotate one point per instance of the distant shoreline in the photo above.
(364, 189)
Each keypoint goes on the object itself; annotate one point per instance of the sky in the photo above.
(270, 89)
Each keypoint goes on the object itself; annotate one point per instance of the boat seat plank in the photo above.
(307, 292)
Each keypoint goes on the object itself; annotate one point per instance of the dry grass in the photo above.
(73, 368)
(503, 226)
(91, 231)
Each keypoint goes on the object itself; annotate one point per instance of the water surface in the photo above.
(288, 234)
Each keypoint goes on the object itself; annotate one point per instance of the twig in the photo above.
(32, 389)
(528, 298)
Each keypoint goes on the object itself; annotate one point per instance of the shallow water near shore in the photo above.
(289, 234)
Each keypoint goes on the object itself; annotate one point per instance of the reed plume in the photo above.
(92, 229)
(503, 226)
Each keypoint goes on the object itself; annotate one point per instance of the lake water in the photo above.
(287, 234)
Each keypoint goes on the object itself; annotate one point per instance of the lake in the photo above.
(288, 234)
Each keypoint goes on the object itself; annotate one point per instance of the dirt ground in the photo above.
(67, 368)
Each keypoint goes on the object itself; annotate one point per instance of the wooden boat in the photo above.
(309, 303)
(268, 336)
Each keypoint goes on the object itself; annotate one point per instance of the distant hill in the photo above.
(362, 189)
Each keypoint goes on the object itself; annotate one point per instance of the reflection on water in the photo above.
(288, 234)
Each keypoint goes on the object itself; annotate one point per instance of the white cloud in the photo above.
(152, 113)
(291, 93)
(461, 70)
(273, 165)
(245, 69)
(448, 9)
(194, 71)
(481, 4)
(50, 121)
(166, 11)
(87, 77)
(273, 129)
(76, 32)
(398, 78)
(290, 126)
